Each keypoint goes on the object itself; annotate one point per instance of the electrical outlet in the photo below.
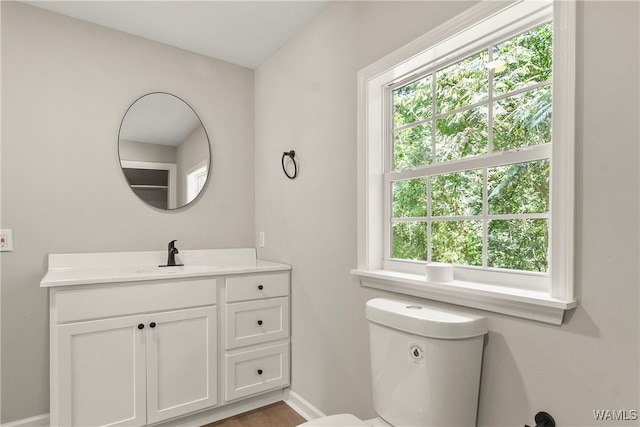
(261, 239)
(6, 241)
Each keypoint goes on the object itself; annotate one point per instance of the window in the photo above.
(447, 123)
(466, 158)
(196, 178)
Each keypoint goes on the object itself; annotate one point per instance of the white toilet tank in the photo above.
(425, 363)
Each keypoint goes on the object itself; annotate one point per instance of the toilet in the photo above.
(425, 366)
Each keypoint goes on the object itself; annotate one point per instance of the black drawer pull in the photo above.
(140, 326)
(259, 371)
(260, 322)
(260, 287)
(152, 324)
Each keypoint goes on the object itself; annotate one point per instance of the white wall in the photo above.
(143, 151)
(306, 101)
(65, 88)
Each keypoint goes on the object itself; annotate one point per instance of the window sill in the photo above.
(526, 304)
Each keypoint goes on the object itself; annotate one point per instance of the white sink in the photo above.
(183, 269)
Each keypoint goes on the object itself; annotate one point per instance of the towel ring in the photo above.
(291, 154)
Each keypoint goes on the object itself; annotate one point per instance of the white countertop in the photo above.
(115, 267)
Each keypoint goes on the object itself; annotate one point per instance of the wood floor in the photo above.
(275, 415)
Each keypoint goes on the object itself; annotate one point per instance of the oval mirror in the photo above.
(164, 151)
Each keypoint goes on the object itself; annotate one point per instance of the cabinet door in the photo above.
(181, 363)
(101, 367)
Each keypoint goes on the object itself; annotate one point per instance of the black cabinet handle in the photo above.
(140, 326)
(152, 324)
(259, 371)
(260, 287)
(259, 322)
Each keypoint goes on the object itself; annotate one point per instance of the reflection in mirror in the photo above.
(164, 151)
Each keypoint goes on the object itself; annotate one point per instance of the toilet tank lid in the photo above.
(421, 319)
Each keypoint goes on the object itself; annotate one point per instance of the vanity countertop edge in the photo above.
(119, 267)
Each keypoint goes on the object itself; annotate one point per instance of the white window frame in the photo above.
(539, 297)
(201, 169)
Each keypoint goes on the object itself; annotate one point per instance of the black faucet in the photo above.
(171, 261)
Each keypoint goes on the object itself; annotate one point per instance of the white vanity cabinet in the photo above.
(257, 334)
(133, 344)
(140, 357)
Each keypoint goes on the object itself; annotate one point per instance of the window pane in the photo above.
(201, 180)
(462, 84)
(457, 242)
(410, 198)
(410, 240)
(523, 60)
(457, 194)
(462, 134)
(412, 147)
(413, 102)
(522, 120)
(519, 244)
(519, 188)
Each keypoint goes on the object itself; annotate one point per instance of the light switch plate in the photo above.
(6, 240)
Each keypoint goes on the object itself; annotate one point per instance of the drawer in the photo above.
(257, 371)
(246, 288)
(96, 302)
(255, 322)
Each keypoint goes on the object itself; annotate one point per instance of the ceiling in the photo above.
(241, 32)
(159, 118)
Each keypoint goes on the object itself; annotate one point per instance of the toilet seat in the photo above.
(340, 420)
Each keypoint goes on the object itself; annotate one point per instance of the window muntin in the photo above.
(443, 207)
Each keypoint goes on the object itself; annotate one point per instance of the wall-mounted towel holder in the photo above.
(291, 154)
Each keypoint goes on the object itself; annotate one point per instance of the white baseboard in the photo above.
(37, 421)
(301, 405)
